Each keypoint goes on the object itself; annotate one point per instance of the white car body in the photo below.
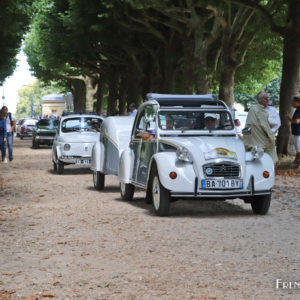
(73, 143)
(209, 164)
(114, 138)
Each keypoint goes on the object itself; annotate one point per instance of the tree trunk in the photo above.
(90, 94)
(113, 94)
(289, 86)
(226, 90)
(99, 96)
(122, 96)
(79, 94)
(134, 89)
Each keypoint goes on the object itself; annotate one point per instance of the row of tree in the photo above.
(122, 49)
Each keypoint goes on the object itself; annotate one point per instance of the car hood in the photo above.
(207, 148)
(80, 137)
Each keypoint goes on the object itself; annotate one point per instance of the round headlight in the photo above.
(183, 154)
(257, 152)
(67, 147)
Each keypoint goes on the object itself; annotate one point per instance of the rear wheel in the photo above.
(261, 204)
(35, 144)
(160, 196)
(54, 167)
(127, 191)
(60, 167)
(98, 179)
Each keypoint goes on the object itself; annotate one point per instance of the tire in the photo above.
(160, 196)
(21, 137)
(127, 191)
(60, 167)
(99, 180)
(35, 144)
(54, 167)
(261, 204)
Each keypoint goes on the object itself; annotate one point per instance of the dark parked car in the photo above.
(44, 132)
(25, 126)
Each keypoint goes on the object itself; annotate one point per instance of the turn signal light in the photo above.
(266, 174)
(173, 175)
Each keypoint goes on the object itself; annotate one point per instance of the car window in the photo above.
(30, 122)
(146, 120)
(194, 120)
(80, 123)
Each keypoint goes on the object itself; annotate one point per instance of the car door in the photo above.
(136, 144)
(148, 147)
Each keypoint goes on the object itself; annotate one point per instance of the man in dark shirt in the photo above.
(295, 125)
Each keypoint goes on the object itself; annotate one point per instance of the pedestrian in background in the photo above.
(261, 134)
(3, 136)
(274, 118)
(133, 110)
(10, 127)
(295, 125)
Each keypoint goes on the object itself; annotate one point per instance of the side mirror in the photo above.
(246, 131)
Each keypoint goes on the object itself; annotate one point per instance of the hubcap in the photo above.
(156, 193)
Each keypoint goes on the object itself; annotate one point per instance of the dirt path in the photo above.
(61, 238)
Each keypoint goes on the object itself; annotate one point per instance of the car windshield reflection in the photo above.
(194, 120)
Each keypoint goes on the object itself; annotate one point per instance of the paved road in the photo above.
(61, 238)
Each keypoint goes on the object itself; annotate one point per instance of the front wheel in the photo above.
(261, 204)
(160, 196)
(60, 167)
(127, 191)
(98, 179)
(54, 167)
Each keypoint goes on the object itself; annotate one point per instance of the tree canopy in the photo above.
(14, 22)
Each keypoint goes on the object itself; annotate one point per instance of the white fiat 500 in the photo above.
(114, 138)
(186, 146)
(74, 140)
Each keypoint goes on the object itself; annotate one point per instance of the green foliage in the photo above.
(14, 21)
(38, 90)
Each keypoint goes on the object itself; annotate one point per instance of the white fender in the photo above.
(167, 162)
(95, 161)
(124, 173)
(256, 168)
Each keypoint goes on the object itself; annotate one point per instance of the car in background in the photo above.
(25, 127)
(186, 147)
(114, 138)
(44, 131)
(73, 143)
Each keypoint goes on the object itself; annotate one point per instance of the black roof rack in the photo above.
(67, 113)
(186, 100)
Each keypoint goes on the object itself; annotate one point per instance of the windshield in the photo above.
(195, 120)
(48, 123)
(80, 123)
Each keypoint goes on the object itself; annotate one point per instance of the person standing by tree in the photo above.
(295, 125)
(3, 136)
(261, 134)
(10, 127)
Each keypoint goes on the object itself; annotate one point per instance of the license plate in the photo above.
(216, 184)
(82, 161)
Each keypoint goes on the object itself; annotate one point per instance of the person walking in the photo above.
(3, 136)
(261, 134)
(10, 127)
(295, 125)
(274, 118)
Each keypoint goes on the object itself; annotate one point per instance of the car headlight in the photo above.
(183, 154)
(67, 147)
(257, 152)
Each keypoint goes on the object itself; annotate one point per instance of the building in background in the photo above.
(53, 105)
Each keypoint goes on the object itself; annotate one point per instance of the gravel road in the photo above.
(62, 239)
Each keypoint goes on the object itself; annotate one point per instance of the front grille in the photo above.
(46, 134)
(222, 170)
